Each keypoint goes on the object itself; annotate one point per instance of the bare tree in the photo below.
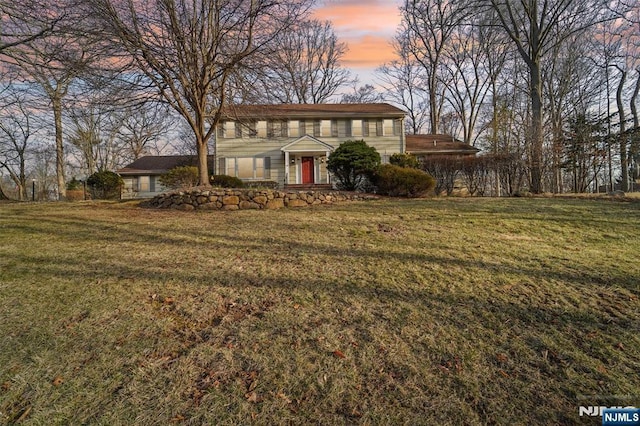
(619, 42)
(428, 27)
(44, 169)
(188, 50)
(23, 22)
(402, 80)
(303, 65)
(535, 27)
(361, 95)
(468, 76)
(94, 135)
(571, 87)
(53, 63)
(634, 149)
(17, 130)
(583, 151)
(142, 128)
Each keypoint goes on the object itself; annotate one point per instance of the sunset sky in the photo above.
(367, 26)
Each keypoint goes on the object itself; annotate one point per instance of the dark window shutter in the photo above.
(267, 167)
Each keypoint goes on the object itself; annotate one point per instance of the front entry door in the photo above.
(307, 170)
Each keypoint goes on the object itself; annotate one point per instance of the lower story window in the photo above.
(248, 167)
(245, 168)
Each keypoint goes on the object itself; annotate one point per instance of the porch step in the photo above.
(310, 186)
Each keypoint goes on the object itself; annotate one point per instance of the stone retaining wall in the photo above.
(247, 199)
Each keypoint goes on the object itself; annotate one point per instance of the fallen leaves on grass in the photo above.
(57, 381)
(502, 358)
(168, 300)
(339, 354)
(253, 397)
(449, 365)
(283, 397)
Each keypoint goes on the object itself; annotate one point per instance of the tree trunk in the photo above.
(57, 114)
(22, 178)
(632, 102)
(494, 133)
(433, 104)
(536, 127)
(3, 196)
(634, 149)
(622, 135)
(203, 164)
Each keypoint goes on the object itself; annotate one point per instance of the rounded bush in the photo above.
(180, 177)
(352, 163)
(397, 181)
(105, 185)
(226, 181)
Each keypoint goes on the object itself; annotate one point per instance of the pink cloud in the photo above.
(367, 26)
(361, 17)
(368, 51)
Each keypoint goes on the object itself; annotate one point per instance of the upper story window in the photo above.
(379, 127)
(397, 127)
(246, 129)
(341, 128)
(309, 127)
(365, 127)
(373, 127)
(277, 129)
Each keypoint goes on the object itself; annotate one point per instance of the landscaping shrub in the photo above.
(404, 160)
(105, 185)
(397, 181)
(226, 181)
(74, 184)
(75, 190)
(261, 184)
(445, 170)
(180, 177)
(352, 163)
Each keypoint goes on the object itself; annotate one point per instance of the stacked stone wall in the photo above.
(249, 199)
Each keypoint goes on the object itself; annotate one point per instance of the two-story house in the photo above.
(290, 144)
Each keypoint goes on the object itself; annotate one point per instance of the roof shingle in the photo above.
(159, 164)
(318, 111)
(438, 144)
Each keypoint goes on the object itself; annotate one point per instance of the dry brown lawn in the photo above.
(454, 311)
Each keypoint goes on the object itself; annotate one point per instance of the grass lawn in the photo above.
(443, 311)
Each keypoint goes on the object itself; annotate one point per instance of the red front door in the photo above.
(307, 170)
